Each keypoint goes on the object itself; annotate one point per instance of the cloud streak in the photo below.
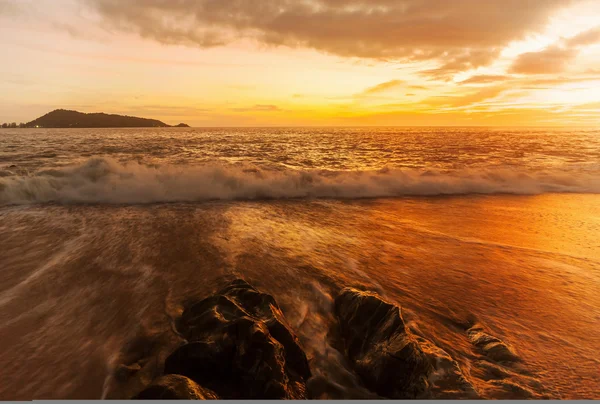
(485, 78)
(383, 87)
(258, 108)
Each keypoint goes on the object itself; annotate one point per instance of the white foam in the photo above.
(105, 180)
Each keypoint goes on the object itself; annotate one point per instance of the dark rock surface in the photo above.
(123, 372)
(492, 347)
(382, 352)
(240, 346)
(237, 345)
(447, 382)
(175, 387)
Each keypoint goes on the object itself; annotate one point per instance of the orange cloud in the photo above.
(555, 58)
(551, 60)
(459, 34)
(588, 37)
(466, 100)
(470, 59)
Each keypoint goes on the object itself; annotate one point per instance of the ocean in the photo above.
(106, 233)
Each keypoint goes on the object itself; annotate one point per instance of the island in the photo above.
(62, 118)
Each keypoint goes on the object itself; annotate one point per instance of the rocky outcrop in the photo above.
(175, 387)
(381, 350)
(239, 346)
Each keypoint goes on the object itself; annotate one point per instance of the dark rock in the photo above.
(492, 347)
(382, 352)
(182, 125)
(447, 382)
(508, 390)
(125, 372)
(175, 387)
(139, 362)
(240, 346)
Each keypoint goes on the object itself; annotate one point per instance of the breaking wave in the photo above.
(105, 180)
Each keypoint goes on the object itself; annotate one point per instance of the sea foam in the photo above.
(105, 180)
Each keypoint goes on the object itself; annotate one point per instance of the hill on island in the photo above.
(62, 118)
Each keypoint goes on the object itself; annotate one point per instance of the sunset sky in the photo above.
(304, 62)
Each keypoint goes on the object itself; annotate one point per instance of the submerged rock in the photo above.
(175, 387)
(124, 372)
(240, 346)
(382, 352)
(447, 381)
(492, 347)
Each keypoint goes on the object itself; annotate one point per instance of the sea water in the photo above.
(105, 233)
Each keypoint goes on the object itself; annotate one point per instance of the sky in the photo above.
(305, 62)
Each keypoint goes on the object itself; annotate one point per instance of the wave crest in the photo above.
(105, 180)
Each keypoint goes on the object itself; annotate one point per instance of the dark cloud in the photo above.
(461, 34)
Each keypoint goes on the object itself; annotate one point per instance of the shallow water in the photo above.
(82, 275)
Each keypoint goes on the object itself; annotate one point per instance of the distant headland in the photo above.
(62, 118)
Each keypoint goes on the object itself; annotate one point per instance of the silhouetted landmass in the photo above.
(62, 118)
(182, 125)
(12, 125)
